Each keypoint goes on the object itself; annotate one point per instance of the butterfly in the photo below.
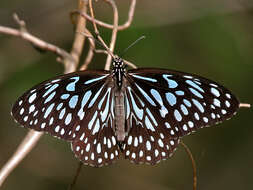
(139, 113)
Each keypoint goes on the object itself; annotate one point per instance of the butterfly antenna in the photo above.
(102, 43)
(132, 44)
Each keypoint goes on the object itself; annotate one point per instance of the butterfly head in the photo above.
(118, 70)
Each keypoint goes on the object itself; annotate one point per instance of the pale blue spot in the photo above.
(148, 124)
(195, 92)
(151, 117)
(171, 83)
(71, 86)
(216, 102)
(193, 84)
(198, 105)
(48, 111)
(59, 106)
(148, 145)
(81, 114)
(144, 78)
(187, 103)
(196, 115)
(95, 97)
(73, 101)
(179, 93)
(62, 113)
(177, 115)
(65, 96)
(215, 92)
(95, 79)
(68, 119)
(50, 97)
(86, 98)
(171, 98)
(167, 125)
(50, 90)
(184, 109)
(32, 97)
(145, 95)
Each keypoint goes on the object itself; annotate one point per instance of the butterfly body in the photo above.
(140, 113)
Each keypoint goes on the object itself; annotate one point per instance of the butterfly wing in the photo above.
(166, 105)
(77, 107)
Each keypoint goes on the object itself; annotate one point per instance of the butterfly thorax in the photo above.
(118, 71)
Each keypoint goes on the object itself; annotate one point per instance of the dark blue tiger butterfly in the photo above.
(141, 113)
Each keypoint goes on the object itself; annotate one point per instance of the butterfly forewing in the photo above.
(61, 106)
(182, 102)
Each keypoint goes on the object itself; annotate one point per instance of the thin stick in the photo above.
(79, 40)
(24, 34)
(244, 105)
(188, 151)
(90, 52)
(23, 149)
(109, 26)
(114, 32)
(78, 170)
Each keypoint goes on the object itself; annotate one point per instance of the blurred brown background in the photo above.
(212, 38)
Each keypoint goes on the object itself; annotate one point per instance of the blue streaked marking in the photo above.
(127, 107)
(95, 97)
(157, 96)
(144, 78)
(48, 111)
(104, 114)
(95, 79)
(96, 128)
(198, 105)
(195, 92)
(50, 89)
(151, 117)
(148, 124)
(50, 97)
(145, 95)
(193, 84)
(73, 101)
(71, 86)
(32, 97)
(92, 120)
(171, 98)
(171, 83)
(138, 111)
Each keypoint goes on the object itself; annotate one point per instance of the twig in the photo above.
(24, 34)
(90, 52)
(23, 149)
(78, 170)
(79, 40)
(114, 32)
(105, 25)
(244, 105)
(193, 165)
